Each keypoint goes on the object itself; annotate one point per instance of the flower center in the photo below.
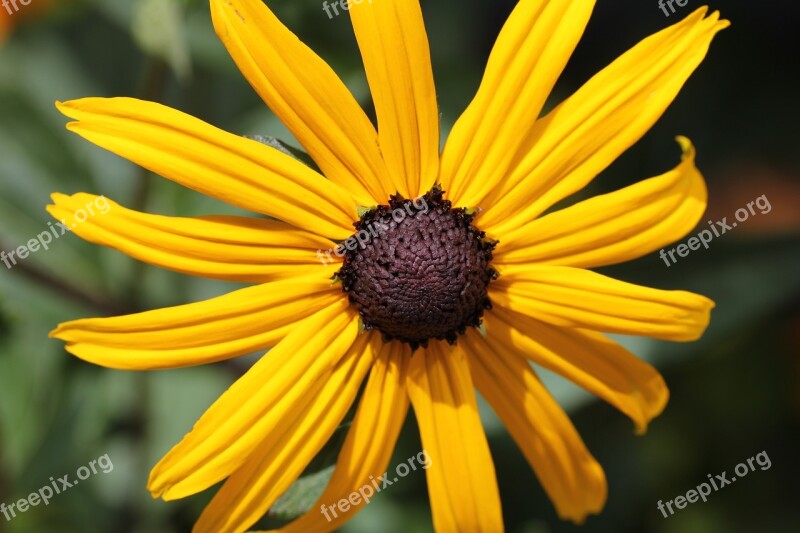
(418, 270)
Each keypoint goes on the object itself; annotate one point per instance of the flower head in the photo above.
(459, 291)
(14, 12)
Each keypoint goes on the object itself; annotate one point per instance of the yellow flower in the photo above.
(13, 13)
(6, 25)
(415, 283)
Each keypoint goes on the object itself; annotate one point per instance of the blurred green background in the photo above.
(735, 393)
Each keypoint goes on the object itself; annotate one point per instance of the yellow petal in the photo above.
(281, 458)
(275, 390)
(461, 480)
(239, 323)
(239, 171)
(588, 359)
(527, 59)
(616, 227)
(572, 478)
(368, 448)
(394, 46)
(582, 136)
(220, 247)
(573, 297)
(306, 95)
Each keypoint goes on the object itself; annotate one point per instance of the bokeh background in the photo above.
(734, 394)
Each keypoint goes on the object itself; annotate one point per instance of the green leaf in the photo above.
(158, 29)
(286, 149)
(310, 486)
(302, 494)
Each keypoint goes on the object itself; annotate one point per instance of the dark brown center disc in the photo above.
(419, 270)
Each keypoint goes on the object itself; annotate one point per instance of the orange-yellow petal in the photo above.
(239, 323)
(577, 140)
(239, 171)
(527, 59)
(615, 227)
(587, 358)
(461, 479)
(394, 46)
(306, 95)
(572, 478)
(290, 445)
(222, 247)
(274, 390)
(577, 298)
(368, 448)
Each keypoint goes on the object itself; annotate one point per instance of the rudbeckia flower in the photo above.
(464, 276)
(14, 12)
(5, 26)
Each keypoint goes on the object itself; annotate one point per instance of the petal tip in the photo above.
(687, 147)
(68, 108)
(54, 334)
(154, 486)
(58, 197)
